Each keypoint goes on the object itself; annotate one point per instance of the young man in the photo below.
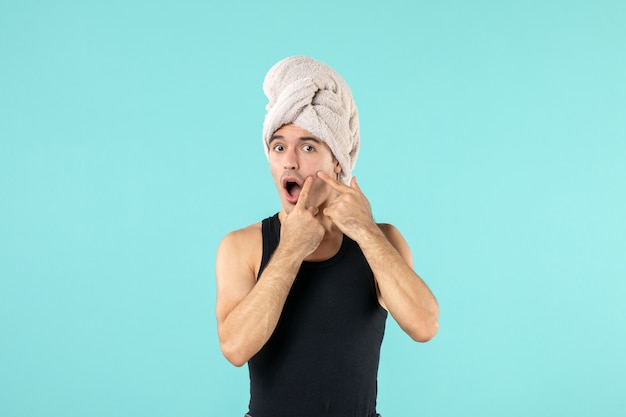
(302, 296)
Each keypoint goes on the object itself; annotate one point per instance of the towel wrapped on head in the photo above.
(314, 97)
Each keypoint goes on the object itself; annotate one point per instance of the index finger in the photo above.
(304, 193)
(334, 184)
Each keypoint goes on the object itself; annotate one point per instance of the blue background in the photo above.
(493, 137)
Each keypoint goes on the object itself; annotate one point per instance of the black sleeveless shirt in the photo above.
(322, 359)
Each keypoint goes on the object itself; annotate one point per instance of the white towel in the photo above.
(314, 97)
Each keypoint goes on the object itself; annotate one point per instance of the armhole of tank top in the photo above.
(268, 227)
(374, 286)
(265, 248)
(382, 310)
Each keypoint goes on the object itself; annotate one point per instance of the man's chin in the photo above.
(288, 207)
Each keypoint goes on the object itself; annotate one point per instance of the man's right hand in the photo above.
(301, 229)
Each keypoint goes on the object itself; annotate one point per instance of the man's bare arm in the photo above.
(248, 311)
(402, 291)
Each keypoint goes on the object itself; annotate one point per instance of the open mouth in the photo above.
(292, 189)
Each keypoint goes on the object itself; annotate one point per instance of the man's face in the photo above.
(295, 154)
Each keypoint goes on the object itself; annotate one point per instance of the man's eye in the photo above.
(308, 148)
(279, 148)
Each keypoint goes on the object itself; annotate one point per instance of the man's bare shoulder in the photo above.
(245, 233)
(387, 229)
(244, 247)
(247, 238)
(392, 233)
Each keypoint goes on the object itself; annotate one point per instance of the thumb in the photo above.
(354, 185)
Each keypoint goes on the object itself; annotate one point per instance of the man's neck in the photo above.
(329, 246)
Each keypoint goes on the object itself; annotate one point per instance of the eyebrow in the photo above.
(301, 138)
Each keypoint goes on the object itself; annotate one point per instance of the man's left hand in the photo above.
(350, 210)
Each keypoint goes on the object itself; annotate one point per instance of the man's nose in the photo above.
(291, 160)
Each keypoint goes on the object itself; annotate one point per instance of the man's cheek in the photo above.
(314, 192)
(321, 190)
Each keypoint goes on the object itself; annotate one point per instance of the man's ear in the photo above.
(337, 168)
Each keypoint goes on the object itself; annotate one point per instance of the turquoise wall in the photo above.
(493, 137)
